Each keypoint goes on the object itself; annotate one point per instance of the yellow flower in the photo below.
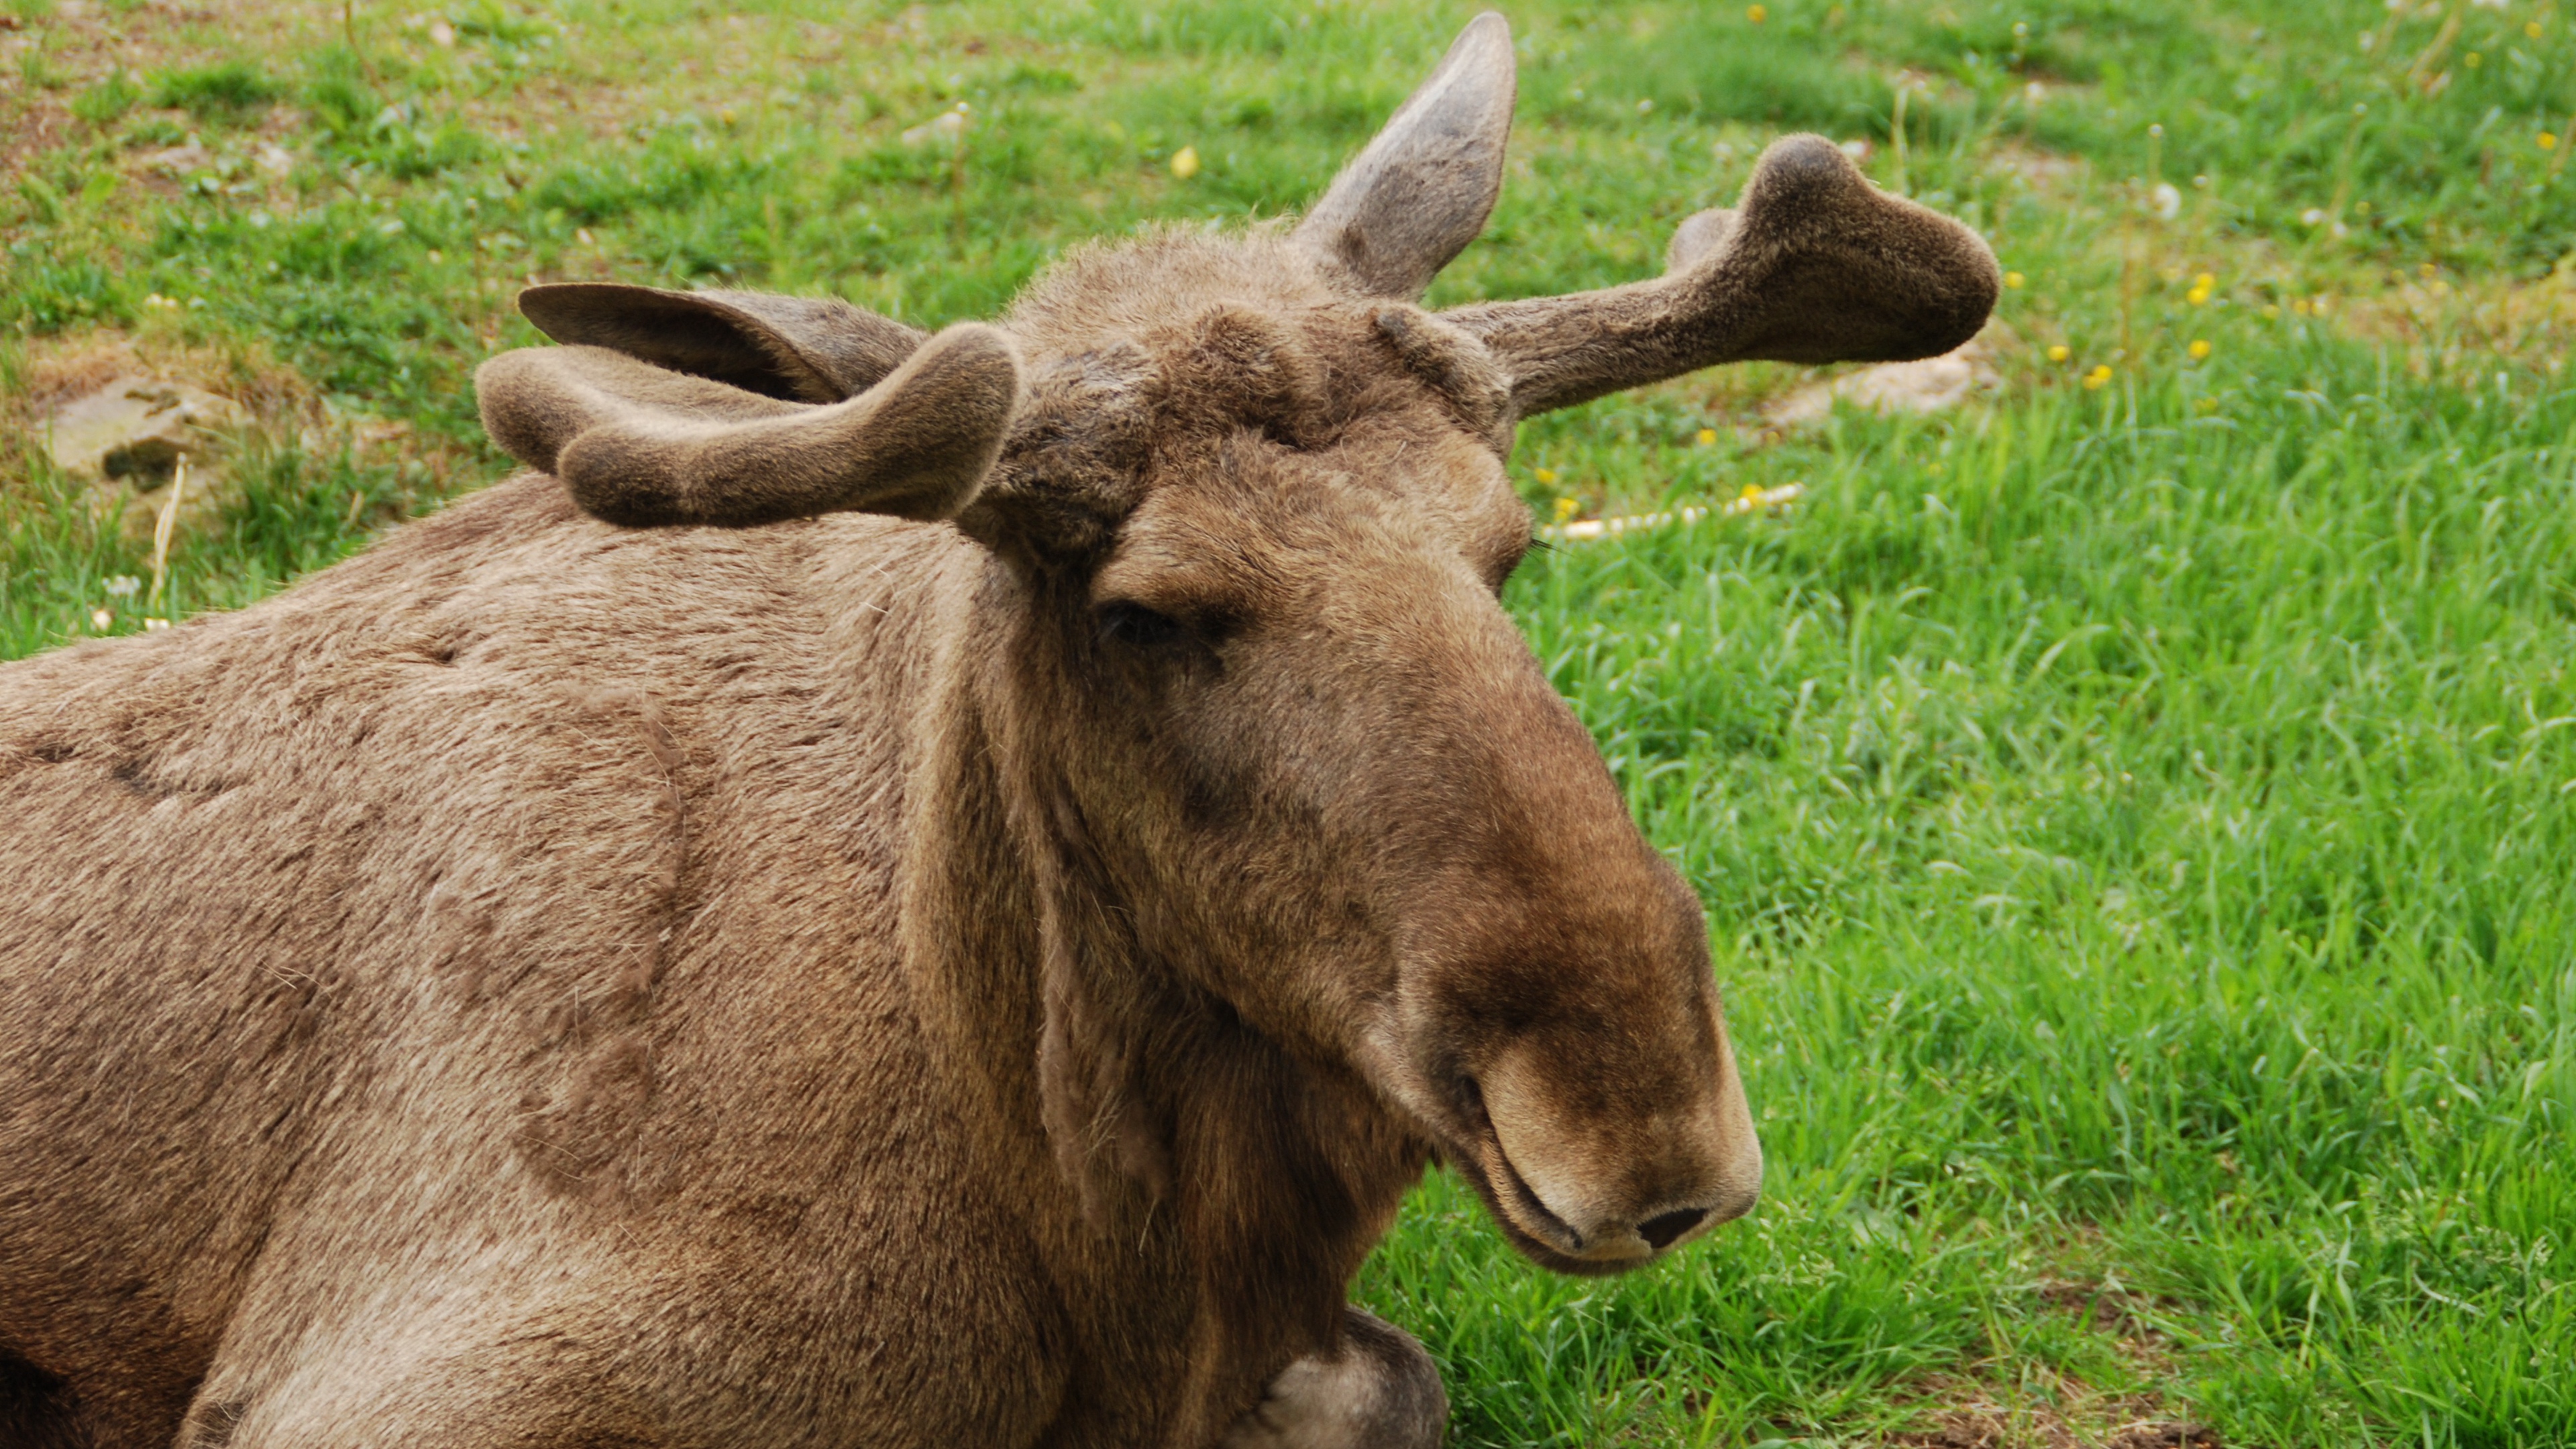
(2013, 280)
(1547, 475)
(2199, 348)
(1756, 14)
(2532, 29)
(2548, 141)
(1566, 508)
(1707, 436)
(2197, 296)
(1185, 162)
(2100, 374)
(2204, 281)
(2059, 353)
(1752, 494)
(2271, 312)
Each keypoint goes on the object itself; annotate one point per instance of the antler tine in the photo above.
(1814, 264)
(636, 444)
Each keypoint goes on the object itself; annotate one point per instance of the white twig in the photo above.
(161, 528)
(1753, 501)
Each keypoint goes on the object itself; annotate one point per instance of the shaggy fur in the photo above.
(855, 981)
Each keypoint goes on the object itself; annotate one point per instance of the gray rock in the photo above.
(180, 161)
(135, 428)
(1931, 385)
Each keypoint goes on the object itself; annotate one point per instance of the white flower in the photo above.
(123, 586)
(2168, 201)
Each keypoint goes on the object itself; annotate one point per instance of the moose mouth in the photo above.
(1528, 1224)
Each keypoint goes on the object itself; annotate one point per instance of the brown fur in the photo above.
(850, 980)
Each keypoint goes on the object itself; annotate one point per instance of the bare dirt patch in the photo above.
(2441, 323)
(1931, 385)
(47, 63)
(2014, 1404)
(269, 406)
(2048, 173)
(1985, 1421)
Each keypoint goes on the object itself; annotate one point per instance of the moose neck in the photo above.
(1184, 1177)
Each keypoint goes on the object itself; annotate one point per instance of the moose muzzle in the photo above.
(1592, 1191)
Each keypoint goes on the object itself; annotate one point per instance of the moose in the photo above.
(894, 889)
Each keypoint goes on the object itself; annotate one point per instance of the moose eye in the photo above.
(1138, 627)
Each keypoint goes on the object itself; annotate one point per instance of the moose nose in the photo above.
(1661, 1230)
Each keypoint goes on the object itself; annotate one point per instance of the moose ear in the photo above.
(1423, 188)
(639, 445)
(808, 349)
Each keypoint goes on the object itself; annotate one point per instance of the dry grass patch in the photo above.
(2444, 326)
(47, 63)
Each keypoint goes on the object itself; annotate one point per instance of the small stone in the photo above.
(1928, 386)
(135, 428)
(180, 161)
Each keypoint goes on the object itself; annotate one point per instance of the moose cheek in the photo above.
(1213, 798)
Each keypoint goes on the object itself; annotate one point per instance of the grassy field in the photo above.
(2133, 807)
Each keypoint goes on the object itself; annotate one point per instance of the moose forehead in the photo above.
(1267, 411)
(1252, 521)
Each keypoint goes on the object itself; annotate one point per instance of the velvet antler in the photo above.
(639, 445)
(1814, 264)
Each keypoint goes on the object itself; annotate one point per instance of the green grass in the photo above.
(2135, 819)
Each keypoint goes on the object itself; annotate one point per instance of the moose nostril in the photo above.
(1663, 1228)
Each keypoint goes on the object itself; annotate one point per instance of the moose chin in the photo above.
(894, 889)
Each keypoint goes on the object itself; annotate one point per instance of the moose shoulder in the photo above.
(899, 890)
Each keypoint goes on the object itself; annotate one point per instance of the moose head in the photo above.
(1243, 521)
